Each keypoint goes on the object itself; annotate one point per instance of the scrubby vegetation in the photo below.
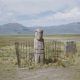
(57, 58)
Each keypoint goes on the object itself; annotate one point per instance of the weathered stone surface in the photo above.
(70, 48)
(38, 44)
(39, 47)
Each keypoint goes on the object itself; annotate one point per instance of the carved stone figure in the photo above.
(39, 46)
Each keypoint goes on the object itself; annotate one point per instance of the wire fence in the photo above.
(21, 53)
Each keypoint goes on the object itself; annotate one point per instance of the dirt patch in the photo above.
(49, 74)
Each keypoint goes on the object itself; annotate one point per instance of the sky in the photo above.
(39, 12)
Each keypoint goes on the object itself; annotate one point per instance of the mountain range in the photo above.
(19, 29)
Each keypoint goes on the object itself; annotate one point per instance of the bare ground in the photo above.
(51, 73)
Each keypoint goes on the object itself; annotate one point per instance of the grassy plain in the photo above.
(8, 67)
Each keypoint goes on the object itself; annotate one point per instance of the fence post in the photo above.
(17, 53)
(39, 47)
(70, 48)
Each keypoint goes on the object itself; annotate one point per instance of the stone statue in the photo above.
(39, 46)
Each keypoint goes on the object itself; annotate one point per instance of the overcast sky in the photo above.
(39, 12)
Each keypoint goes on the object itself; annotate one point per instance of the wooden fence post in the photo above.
(17, 53)
(39, 47)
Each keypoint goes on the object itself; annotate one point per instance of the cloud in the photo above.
(35, 6)
(72, 15)
(39, 12)
(58, 18)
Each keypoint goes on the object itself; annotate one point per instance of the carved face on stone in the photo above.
(39, 34)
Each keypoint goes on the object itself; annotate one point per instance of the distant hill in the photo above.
(15, 28)
(71, 28)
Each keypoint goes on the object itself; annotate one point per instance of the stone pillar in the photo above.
(70, 48)
(39, 47)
